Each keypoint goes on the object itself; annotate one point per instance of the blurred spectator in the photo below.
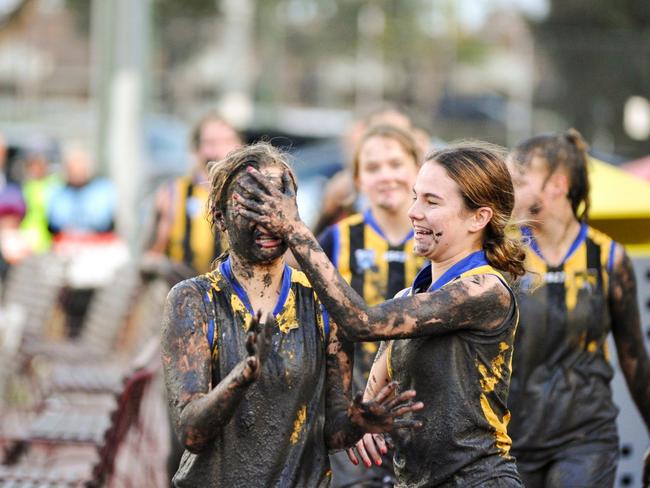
(85, 204)
(12, 210)
(38, 188)
(181, 231)
(340, 196)
(81, 215)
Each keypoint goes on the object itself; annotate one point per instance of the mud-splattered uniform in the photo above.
(462, 378)
(275, 437)
(374, 268)
(561, 402)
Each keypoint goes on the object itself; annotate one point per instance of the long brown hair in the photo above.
(567, 150)
(479, 170)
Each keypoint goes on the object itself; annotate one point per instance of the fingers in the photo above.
(246, 203)
(403, 397)
(381, 443)
(249, 190)
(407, 424)
(407, 408)
(287, 184)
(361, 449)
(371, 449)
(351, 456)
(251, 340)
(252, 216)
(386, 392)
(259, 180)
(251, 369)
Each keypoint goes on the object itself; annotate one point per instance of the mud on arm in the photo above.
(626, 328)
(198, 410)
(477, 302)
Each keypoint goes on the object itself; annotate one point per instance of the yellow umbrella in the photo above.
(620, 206)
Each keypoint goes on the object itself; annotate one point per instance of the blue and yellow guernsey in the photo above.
(375, 269)
(275, 437)
(462, 378)
(560, 394)
(191, 240)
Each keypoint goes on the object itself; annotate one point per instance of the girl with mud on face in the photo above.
(450, 335)
(580, 287)
(257, 377)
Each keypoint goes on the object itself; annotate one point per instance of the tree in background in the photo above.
(600, 52)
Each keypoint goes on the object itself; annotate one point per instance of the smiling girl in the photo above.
(452, 330)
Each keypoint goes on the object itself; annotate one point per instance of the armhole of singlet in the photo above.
(209, 309)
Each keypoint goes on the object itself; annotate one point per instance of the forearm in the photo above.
(339, 430)
(343, 304)
(204, 417)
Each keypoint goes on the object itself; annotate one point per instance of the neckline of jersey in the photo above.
(532, 242)
(369, 218)
(424, 276)
(226, 270)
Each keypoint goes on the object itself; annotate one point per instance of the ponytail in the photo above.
(503, 251)
(577, 164)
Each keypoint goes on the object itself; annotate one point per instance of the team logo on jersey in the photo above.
(394, 256)
(365, 258)
(581, 280)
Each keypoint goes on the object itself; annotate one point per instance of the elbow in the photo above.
(191, 441)
(191, 437)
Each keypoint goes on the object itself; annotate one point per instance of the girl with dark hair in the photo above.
(451, 333)
(257, 377)
(581, 285)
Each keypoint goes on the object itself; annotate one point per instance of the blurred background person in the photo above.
(84, 204)
(81, 217)
(38, 187)
(340, 198)
(13, 247)
(180, 231)
(580, 286)
(373, 250)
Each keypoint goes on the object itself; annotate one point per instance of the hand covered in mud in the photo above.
(258, 345)
(383, 412)
(259, 201)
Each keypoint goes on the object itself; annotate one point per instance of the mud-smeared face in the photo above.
(248, 240)
(440, 219)
(529, 183)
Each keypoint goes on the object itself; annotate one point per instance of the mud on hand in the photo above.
(259, 201)
(385, 412)
(258, 345)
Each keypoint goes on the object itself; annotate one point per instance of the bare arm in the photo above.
(478, 302)
(347, 421)
(198, 410)
(626, 327)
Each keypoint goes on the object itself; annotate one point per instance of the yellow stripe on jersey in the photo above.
(376, 279)
(575, 276)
